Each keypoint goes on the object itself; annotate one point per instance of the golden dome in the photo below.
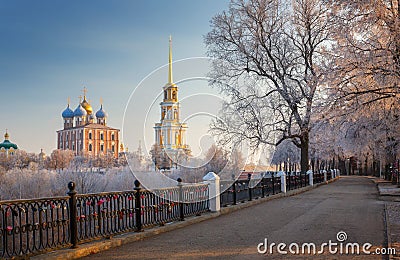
(87, 106)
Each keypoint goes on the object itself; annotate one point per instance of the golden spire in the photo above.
(6, 136)
(68, 100)
(170, 80)
(84, 92)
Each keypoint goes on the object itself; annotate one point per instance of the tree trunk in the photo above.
(304, 152)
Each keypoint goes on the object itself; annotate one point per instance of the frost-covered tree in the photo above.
(217, 159)
(60, 159)
(366, 50)
(286, 153)
(270, 63)
(364, 83)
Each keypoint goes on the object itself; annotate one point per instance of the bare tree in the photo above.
(366, 51)
(270, 62)
(218, 159)
(364, 83)
(60, 159)
(286, 153)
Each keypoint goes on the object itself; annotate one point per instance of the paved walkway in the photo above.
(350, 204)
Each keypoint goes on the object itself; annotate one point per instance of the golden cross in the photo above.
(84, 91)
(101, 101)
(68, 100)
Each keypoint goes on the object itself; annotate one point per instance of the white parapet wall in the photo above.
(283, 181)
(311, 177)
(212, 180)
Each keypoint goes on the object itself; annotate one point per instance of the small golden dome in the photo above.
(87, 106)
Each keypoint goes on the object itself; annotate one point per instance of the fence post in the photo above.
(273, 183)
(138, 206)
(325, 175)
(73, 222)
(310, 177)
(181, 215)
(212, 180)
(234, 192)
(262, 187)
(249, 187)
(283, 181)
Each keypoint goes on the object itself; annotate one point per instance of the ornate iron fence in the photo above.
(329, 175)
(28, 227)
(247, 190)
(292, 181)
(318, 177)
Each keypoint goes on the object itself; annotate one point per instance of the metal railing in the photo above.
(318, 177)
(247, 190)
(329, 175)
(29, 227)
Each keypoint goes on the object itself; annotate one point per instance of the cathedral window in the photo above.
(102, 147)
(101, 136)
(113, 148)
(90, 135)
(90, 147)
(112, 137)
(173, 95)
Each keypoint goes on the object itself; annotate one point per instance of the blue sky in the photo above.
(50, 49)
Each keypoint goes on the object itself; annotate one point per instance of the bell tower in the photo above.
(170, 133)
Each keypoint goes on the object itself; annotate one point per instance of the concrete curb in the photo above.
(379, 181)
(388, 231)
(105, 244)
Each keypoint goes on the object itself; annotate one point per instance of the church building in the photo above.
(170, 133)
(7, 147)
(87, 133)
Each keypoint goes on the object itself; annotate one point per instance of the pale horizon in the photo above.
(53, 50)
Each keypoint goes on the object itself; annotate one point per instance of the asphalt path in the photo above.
(349, 205)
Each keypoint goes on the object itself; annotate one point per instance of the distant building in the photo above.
(41, 158)
(6, 146)
(170, 133)
(139, 154)
(87, 133)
